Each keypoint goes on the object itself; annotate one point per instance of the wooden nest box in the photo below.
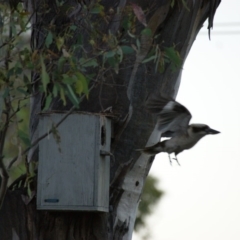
(74, 165)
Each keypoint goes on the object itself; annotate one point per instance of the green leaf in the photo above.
(59, 42)
(127, 50)
(174, 57)
(98, 8)
(6, 92)
(18, 69)
(73, 98)
(24, 137)
(79, 87)
(81, 84)
(61, 61)
(112, 61)
(130, 34)
(126, 23)
(13, 27)
(44, 75)
(120, 54)
(67, 79)
(73, 27)
(23, 91)
(109, 54)
(11, 72)
(47, 102)
(147, 32)
(90, 77)
(89, 63)
(55, 90)
(26, 79)
(49, 39)
(30, 65)
(149, 59)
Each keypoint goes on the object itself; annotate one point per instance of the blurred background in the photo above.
(201, 197)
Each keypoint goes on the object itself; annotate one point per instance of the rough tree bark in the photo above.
(125, 92)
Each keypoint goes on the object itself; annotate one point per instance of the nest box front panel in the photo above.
(69, 164)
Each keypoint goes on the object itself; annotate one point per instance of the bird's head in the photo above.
(201, 129)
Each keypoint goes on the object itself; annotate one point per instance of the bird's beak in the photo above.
(212, 131)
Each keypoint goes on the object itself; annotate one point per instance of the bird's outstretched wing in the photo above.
(173, 118)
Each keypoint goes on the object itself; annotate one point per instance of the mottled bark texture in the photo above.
(132, 128)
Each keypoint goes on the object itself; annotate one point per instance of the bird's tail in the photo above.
(151, 150)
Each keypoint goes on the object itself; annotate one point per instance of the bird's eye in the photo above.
(199, 129)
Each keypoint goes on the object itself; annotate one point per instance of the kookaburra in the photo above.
(173, 121)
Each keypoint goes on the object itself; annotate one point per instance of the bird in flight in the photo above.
(173, 122)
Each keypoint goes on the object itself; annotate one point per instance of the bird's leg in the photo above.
(176, 160)
(170, 160)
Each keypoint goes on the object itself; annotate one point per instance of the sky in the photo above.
(202, 196)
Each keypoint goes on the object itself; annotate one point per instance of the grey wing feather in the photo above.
(173, 118)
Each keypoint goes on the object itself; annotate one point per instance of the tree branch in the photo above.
(3, 132)
(12, 38)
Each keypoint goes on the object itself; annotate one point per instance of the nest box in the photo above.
(74, 165)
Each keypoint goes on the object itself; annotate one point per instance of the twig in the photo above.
(40, 138)
(20, 32)
(3, 132)
(18, 107)
(18, 181)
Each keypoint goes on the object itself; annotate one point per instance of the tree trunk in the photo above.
(125, 92)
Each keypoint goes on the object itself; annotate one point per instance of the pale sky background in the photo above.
(202, 197)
